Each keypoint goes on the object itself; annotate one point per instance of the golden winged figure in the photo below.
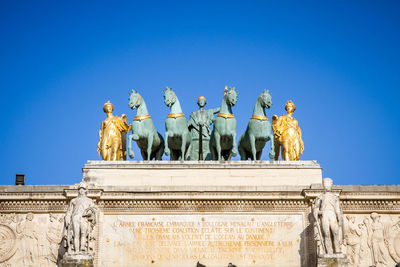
(287, 134)
(112, 135)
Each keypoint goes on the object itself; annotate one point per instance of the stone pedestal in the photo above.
(202, 174)
(76, 261)
(337, 260)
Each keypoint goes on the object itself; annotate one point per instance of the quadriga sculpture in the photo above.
(223, 136)
(177, 135)
(258, 131)
(150, 142)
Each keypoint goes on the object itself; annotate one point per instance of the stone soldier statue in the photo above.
(200, 121)
(329, 220)
(81, 215)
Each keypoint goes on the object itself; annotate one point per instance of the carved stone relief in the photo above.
(8, 240)
(368, 239)
(372, 239)
(30, 239)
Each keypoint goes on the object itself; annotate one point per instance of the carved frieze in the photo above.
(38, 240)
(30, 239)
(8, 242)
(372, 239)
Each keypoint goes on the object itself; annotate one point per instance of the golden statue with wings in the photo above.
(287, 135)
(112, 135)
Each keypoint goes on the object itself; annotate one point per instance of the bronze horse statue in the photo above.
(223, 136)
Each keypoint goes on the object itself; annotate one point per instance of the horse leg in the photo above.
(273, 150)
(174, 154)
(189, 150)
(234, 150)
(160, 149)
(258, 155)
(130, 151)
(213, 151)
(160, 152)
(150, 139)
(166, 149)
(144, 154)
(242, 152)
(183, 147)
(252, 140)
(217, 139)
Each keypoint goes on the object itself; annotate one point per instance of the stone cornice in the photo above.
(304, 164)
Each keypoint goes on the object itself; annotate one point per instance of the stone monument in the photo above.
(328, 218)
(78, 226)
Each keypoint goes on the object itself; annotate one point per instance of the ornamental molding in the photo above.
(201, 195)
(109, 201)
(202, 205)
(33, 205)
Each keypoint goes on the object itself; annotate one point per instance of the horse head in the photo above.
(169, 96)
(266, 99)
(231, 95)
(134, 99)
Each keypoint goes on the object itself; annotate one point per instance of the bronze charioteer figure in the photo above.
(200, 127)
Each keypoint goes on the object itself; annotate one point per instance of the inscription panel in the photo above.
(214, 240)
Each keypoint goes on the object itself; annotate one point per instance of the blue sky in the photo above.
(339, 61)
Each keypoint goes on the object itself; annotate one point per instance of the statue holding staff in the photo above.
(200, 128)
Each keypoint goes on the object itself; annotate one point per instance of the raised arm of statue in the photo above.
(216, 110)
(212, 112)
